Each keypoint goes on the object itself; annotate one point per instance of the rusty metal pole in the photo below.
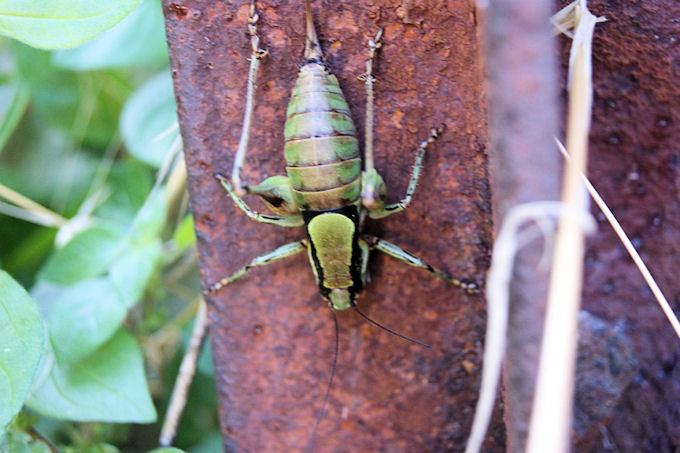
(523, 109)
(635, 165)
(271, 332)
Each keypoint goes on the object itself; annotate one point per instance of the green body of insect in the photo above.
(325, 188)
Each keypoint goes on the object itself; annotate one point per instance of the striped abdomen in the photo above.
(322, 153)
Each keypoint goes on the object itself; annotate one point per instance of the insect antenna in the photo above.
(322, 412)
(387, 329)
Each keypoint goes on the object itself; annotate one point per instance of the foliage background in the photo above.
(89, 132)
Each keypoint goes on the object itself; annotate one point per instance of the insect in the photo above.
(325, 189)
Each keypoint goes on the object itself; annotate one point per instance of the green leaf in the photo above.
(84, 105)
(96, 448)
(185, 236)
(17, 441)
(131, 183)
(150, 220)
(14, 97)
(28, 253)
(55, 92)
(210, 443)
(84, 317)
(87, 255)
(44, 294)
(137, 41)
(147, 115)
(109, 385)
(132, 270)
(60, 24)
(41, 164)
(21, 346)
(205, 361)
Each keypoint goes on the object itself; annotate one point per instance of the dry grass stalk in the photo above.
(186, 374)
(551, 419)
(551, 416)
(511, 237)
(616, 226)
(28, 209)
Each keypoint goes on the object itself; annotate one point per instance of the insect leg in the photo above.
(365, 252)
(282, 252)
(285, 221)
(390, 209)
(255, 57)
(375, 243)
(369, 191)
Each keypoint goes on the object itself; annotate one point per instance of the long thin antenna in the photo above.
(403, 337)
(322, 412)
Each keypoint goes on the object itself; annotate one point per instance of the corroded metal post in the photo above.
(272, 334)
(635, 164)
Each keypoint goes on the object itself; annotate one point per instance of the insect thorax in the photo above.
(334, 251)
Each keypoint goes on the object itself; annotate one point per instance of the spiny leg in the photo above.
(255, 57)
(390, 209)
(285, 221)
(282, 252)
(368, 195)
(375, 243)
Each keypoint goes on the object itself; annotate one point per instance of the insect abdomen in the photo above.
(322, 153)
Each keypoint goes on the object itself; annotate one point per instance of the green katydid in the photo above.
(325, 189)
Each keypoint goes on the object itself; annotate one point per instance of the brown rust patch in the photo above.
(178, 10)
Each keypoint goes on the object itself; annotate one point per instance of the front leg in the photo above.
(294, 220)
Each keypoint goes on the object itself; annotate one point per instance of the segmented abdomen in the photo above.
(322, 153)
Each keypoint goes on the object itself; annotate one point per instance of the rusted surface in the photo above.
(635, 164)
(272, 334)
(604, 368)
(522, 71)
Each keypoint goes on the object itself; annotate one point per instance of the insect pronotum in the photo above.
(325, 188)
